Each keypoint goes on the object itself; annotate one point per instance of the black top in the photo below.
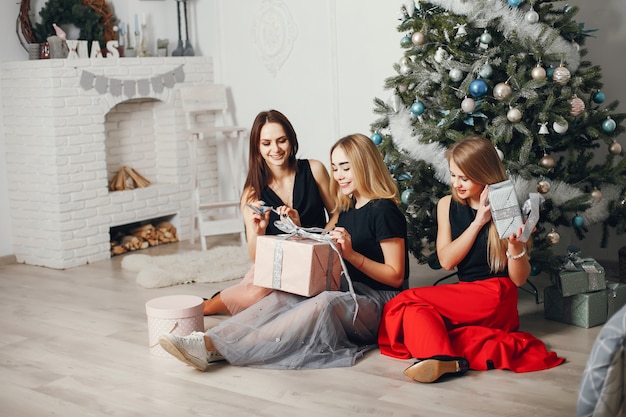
(377, 220)
(307, 199)
(475, 265)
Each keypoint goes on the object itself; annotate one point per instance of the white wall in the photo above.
(341, 55)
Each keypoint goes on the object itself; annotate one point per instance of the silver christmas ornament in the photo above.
(596, 194)
(561, 75)
(543, 130)
(560, 128)
(441, 55)
(547, 162)
(485, 71)
(485, 38)
(538, 73)
(531, 16)
(553, 237)
(405, 70)
(615, 148)
(543, 186)
(456, 75)
(502, 91)
(418, 38)
(514, 115)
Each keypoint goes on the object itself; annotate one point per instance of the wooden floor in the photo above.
(75, 343)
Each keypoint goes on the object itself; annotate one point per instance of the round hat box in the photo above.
(179, 315)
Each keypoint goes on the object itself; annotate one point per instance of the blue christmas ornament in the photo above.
(406, 195)
(515, 3)
(404, 176)
(376, 138)
(549, 72)
(417, 108)
(578, 221)
(608, 125)
(478, 88)
(598, 97)
(534, 270)
(406, 41)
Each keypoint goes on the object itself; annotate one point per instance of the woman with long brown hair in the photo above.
(295, 188)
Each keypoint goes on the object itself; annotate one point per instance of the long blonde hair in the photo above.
(478, 159)
(370, 174)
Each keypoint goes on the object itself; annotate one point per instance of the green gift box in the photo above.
(616, 297)
(588, 277)
(583, 310)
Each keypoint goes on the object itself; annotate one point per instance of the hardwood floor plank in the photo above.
(75, 343)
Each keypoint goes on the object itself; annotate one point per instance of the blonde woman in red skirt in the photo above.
(472, 324)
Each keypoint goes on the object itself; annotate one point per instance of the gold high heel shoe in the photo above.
(431, 369)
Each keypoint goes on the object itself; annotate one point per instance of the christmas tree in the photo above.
(513, 72)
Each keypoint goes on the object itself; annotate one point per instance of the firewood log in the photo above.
(139, 181)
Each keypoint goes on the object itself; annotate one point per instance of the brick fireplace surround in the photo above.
(65, 141)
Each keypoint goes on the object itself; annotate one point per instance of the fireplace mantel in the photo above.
(55, 112)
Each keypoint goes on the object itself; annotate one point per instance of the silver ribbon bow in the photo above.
(321, 235)
(531, 211)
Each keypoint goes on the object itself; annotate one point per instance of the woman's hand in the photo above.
(259, 218)
(483, 213)
(284, 212)
(516, 246)
(344, 242)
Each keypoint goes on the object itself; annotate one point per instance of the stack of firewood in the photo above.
(142, 237)
(127, 179)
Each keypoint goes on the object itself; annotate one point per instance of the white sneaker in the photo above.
(190, 349)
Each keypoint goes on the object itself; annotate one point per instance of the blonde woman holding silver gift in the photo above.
(472, 324)
(333, 328)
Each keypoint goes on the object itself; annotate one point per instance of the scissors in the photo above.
(264, 209)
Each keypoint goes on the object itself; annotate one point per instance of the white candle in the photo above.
(136, 23)
(143, 19)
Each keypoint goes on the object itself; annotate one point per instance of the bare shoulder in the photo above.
(246, 196)
(318, 169)
(444, 202)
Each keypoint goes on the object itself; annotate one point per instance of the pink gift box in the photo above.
(296, 265)
(179, 315)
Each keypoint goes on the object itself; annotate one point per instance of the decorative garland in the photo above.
(131, 88)
(93, 17)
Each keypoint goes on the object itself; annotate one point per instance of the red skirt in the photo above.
(474, 320)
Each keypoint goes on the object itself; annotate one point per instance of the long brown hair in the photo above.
(478, 159)
(259, 174)
(370, 173)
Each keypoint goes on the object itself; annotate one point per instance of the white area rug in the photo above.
(222, 263)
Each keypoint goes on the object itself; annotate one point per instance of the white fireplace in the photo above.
(70, 125)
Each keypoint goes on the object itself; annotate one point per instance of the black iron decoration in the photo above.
(187, 50)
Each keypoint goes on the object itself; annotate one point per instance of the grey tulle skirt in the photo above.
(287, 331)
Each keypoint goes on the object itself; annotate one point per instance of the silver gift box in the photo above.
(505, 209)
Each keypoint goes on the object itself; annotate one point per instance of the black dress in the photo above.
(307, 200)
(288, 331)
(474, 266)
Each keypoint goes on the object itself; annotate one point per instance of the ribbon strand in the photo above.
(321, 235)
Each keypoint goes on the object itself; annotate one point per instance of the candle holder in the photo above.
(142, 47)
